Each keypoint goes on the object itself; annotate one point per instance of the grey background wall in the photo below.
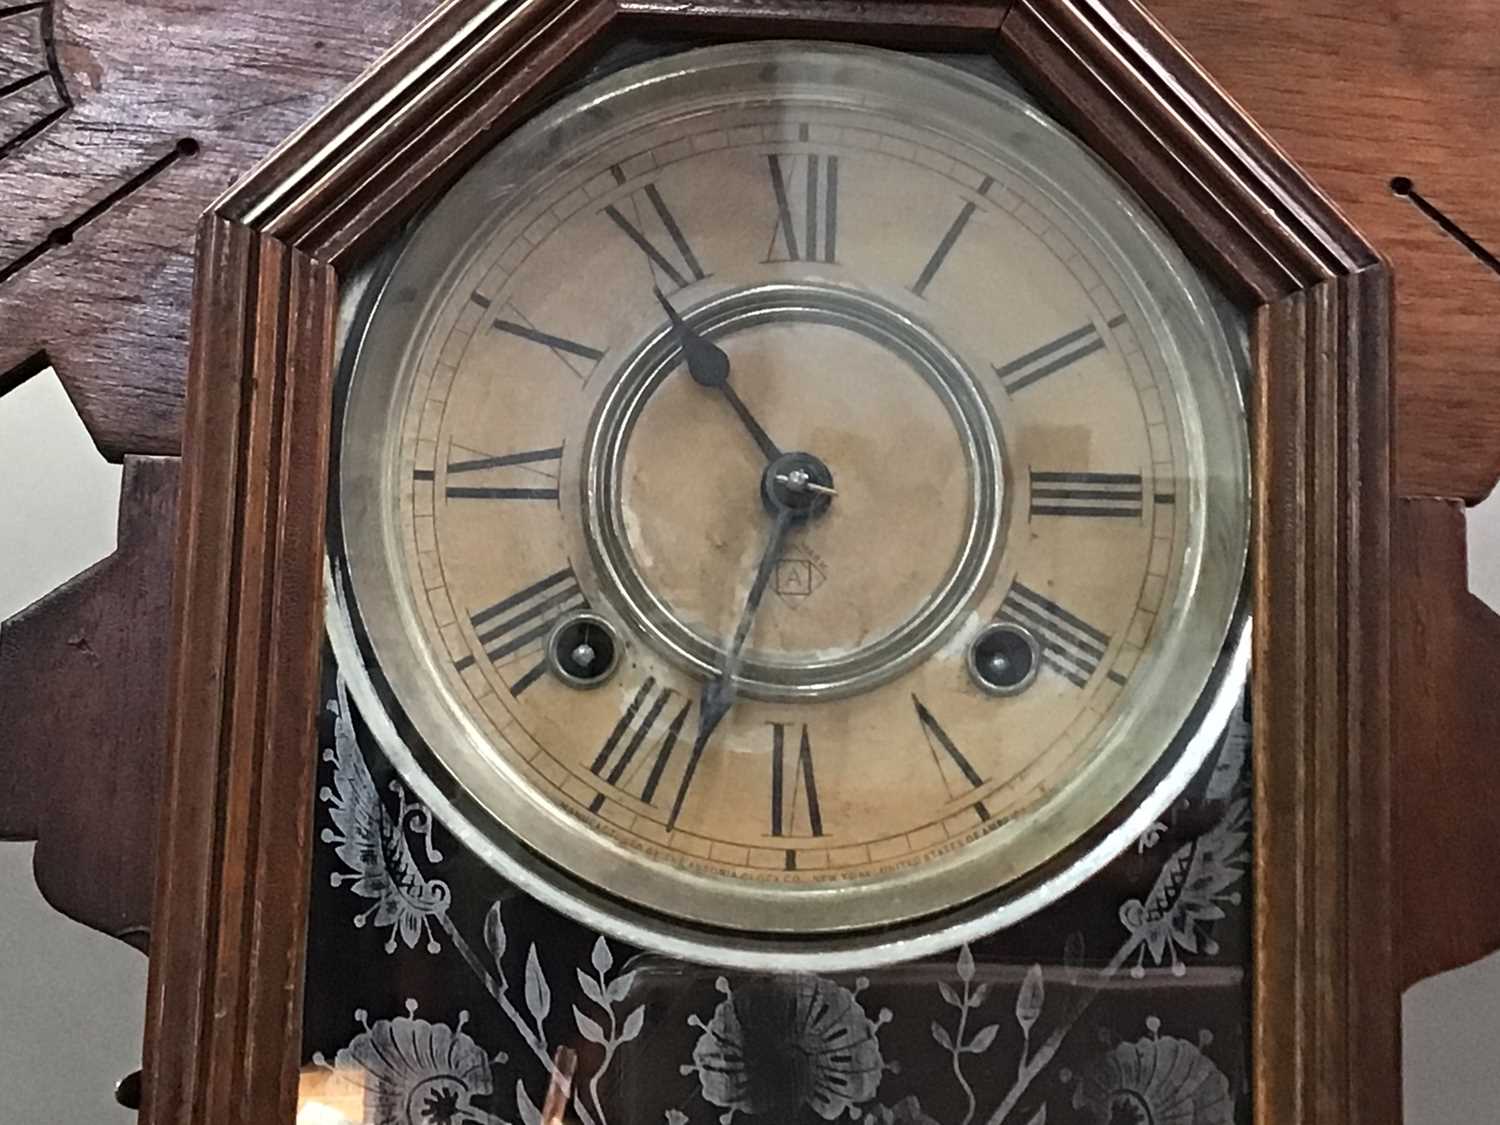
(71, 1001)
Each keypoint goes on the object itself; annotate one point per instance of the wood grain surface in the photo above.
(100, 195)
(108, 300)
(86, 663)
(223, 1007)
(1448, 731)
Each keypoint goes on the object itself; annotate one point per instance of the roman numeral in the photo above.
(793, 786)
(820, 209)
(1071, 647)
(512, 625)
(675, 267)
(1049, 358)
(1088, 495)
(945, 247)
(479, 464)
(614, 761)
(513, 322)
(944, 750)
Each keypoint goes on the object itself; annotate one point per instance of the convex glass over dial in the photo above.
(794, 492)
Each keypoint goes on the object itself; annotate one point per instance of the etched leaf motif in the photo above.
(1039, 1117)
(588, 1028)
(950, 997)
(981, 1042)
(633, 1024)
(538, 995)
(1029, 1000)
(940, 1033)
(591, 988)
(602, 959)
(528, 1112)
(980, 995)
(619, 988)
(965, 964)
(494, 932)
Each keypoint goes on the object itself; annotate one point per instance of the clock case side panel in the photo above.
(224, 999)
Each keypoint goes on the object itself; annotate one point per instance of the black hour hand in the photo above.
(709, 367)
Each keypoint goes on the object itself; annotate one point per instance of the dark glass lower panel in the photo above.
(439, 995)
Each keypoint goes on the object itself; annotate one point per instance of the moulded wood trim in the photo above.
(413, 121)
(224, 998)
(1325, 998)
(952, 24)
(190, 868)
(1224, 187)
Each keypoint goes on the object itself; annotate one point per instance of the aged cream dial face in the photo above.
(793, 490)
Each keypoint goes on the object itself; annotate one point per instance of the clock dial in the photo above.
(794, 490)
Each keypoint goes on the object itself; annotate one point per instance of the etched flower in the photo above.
(373, 845)
(775, 1044)
(908, 1111)
(1159, 1080)
(418, 1073)
(1189, 894)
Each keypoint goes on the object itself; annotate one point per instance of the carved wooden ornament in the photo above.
(224, 1015)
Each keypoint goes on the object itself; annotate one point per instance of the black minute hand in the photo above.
(718, 694)
(709, 367)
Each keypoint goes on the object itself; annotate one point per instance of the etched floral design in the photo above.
(1190, 892)
(776, 1047)
(374, 846)
(1231, 767)
(416, 1072)
(617, 1028)
(1158, 1080)
(777, 1043)
(967, 998)
(908, 1111)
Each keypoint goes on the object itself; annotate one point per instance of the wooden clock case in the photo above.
(1353, 584)
(224, 1012)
